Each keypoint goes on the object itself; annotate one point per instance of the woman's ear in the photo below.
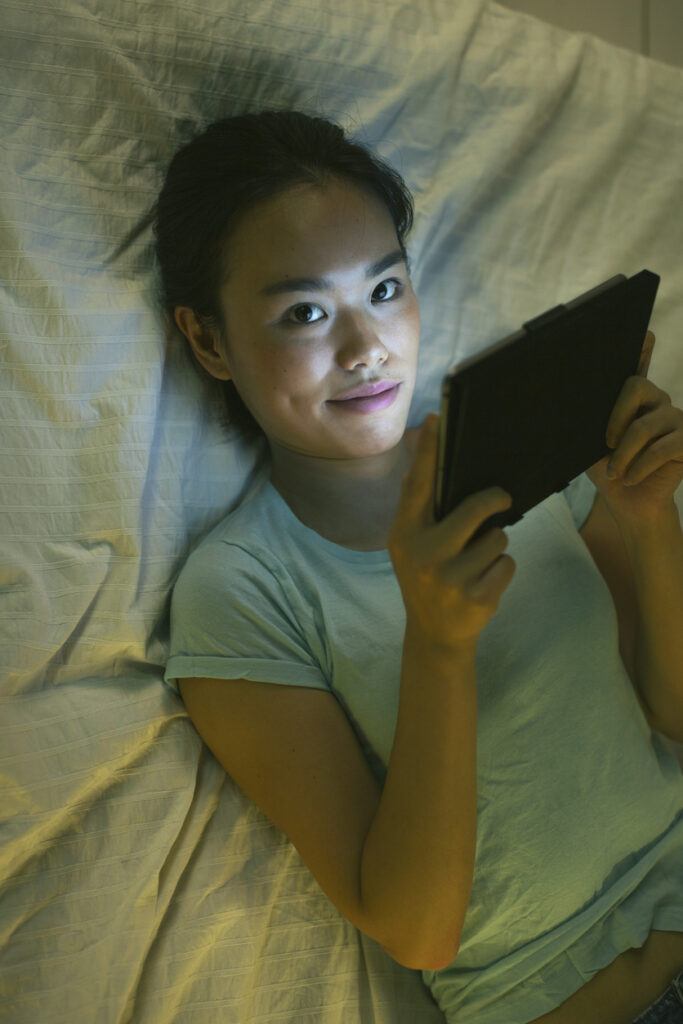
(204, 342)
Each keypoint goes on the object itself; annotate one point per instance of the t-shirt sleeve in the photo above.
(232, 617)
(580, 494)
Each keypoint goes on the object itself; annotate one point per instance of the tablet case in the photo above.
(530, 413)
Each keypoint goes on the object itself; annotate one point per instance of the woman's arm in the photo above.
(656, 554)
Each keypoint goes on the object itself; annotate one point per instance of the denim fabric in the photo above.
(667, 1008)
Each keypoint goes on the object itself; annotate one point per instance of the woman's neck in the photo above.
(345, 503)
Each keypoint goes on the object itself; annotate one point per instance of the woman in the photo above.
(448, 736)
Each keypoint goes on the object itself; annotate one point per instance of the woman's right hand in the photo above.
(450, 592)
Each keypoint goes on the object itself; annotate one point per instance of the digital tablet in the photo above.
(530, 412)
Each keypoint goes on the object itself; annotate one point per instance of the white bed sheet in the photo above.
(137, 883)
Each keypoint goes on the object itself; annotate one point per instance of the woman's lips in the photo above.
(370, 404)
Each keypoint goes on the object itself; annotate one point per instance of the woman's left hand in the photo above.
(646, 431)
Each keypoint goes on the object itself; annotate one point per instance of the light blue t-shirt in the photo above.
(580, 806)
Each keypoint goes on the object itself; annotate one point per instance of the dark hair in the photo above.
(217, 177)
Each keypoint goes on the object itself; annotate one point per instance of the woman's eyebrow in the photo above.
(319, 284)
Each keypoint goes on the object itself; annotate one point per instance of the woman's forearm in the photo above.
(656, 555)
(418, 859)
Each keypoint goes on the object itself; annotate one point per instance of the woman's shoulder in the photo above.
(237, 531)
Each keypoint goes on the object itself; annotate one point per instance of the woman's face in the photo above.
(290, 352)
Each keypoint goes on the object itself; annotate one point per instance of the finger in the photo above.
(638, 396)
(640, 435)
(417, 484)
(663, 452)
(646, 355)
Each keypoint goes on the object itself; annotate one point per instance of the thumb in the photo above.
(646, 355)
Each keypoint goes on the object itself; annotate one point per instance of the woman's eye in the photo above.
(311, 305)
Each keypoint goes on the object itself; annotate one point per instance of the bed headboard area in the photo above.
(137, 882)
